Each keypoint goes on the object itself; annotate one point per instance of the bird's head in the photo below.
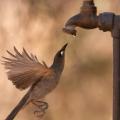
(59, 58)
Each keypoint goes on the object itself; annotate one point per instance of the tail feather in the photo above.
(19, 106)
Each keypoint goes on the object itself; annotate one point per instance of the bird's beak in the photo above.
(64, 47)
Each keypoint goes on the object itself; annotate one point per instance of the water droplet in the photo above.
(74, 36)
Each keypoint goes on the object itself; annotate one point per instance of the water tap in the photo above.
(87, 18)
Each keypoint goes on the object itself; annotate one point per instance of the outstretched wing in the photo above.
(24, 69)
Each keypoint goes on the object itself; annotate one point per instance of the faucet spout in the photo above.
(88, 21)
(71, 25)
(87, 18)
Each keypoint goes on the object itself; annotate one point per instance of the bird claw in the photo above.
(42, 106)
(39, 113)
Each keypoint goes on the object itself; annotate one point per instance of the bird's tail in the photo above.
(19, 106)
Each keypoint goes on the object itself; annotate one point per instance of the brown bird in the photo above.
(24, 70)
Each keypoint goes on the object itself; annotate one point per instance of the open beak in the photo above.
(64, 47)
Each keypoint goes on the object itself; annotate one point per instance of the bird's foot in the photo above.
(39, 113)
(42, 107)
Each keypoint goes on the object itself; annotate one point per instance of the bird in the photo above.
(24, 70)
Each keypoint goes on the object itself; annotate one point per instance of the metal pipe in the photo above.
(106, 21)
(116, 68)
(116, 77)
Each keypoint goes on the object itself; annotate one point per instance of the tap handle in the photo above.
(88, 7)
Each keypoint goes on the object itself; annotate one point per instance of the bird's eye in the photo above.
(62, 53)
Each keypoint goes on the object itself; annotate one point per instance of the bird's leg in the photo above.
(43, 106)
(44, 64)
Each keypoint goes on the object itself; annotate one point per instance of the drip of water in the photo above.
(74, 36)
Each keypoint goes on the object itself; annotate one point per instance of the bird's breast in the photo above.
(45, 86)
(50, 83)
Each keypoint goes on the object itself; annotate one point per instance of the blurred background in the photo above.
(85, 88)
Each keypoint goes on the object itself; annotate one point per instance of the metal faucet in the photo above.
(88, 19)
(106, 21)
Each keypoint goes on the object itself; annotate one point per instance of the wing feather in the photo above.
(23, 69)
